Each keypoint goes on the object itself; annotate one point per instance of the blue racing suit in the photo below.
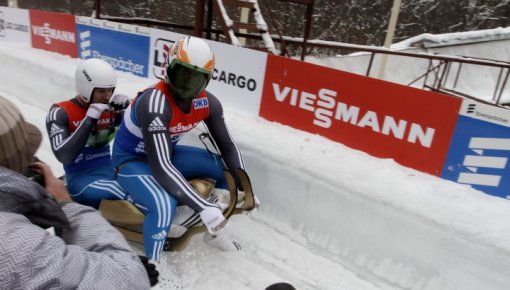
(81, 143)
(154, 169)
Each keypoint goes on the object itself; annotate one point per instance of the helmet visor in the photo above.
(186, 81)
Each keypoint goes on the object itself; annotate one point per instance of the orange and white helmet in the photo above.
(188, 67)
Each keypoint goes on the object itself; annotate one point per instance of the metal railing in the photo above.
(439, 69)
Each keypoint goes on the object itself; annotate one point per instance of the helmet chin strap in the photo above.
(82, 100)
(91, 96)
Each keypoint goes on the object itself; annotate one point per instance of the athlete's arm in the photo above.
(66, 146)
(218, 129)
(153, 114)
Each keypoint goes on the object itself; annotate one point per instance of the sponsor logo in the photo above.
(6, 25)
(17, 27)
(50, 34)
(473, 162)
(327, 109)
(140, 147)
(79, 158)
(117, 63)
(487, 113)
(162, 46)
(87, 75)
(55, 130)
(105, 121)
(232, 79)
(160, 236)
(157, 125)
(176, 48)
(491, 117)
(85, 44)
(471, 108)
(180, 128)
(200, 103)
(120, 63)
(97, 155)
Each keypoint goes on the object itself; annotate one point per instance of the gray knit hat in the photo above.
(19, 139)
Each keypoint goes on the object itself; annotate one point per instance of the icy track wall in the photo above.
(402, 239)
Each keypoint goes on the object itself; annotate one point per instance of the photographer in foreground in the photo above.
(86, 253)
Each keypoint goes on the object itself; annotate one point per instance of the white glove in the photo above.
(213, 219)
(95, 110)
(120, 102)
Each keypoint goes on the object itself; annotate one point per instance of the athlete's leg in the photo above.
(91, 186)
(136, 177)
(194, 162)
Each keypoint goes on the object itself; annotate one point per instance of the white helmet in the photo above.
(188, 67)
(93, 73)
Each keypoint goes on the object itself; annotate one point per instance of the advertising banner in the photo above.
(14, 25)
(480, 149)
(238, 76)
(124, 47)
(384, 119)
(161, 41)
(53, 32)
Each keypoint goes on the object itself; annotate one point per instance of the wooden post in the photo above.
(389, 36)
(12, 3)
(245, 16)
(98, 9)
(199, 18)
(308, 22)
(308, 25)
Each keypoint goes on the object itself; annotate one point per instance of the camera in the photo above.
(34, 176)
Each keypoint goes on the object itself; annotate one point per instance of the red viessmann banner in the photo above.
(53, 32)
(386, 120)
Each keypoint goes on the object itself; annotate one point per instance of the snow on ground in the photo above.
(331, 217)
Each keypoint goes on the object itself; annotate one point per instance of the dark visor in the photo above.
(186, 82)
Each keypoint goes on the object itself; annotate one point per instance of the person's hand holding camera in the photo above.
(53, 185)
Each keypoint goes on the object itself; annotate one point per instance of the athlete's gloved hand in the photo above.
(213, 219)
(151, 270)
(95, 110)
(119, 102)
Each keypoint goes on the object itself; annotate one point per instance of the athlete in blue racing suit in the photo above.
(151, 167)
(80, 130)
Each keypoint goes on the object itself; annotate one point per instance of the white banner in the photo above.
(484, 112)
(238, 76)
(15, 25)
(113, 25)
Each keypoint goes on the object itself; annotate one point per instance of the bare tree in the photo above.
(352, 21)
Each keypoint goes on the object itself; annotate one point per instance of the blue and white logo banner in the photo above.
(124, 51)
(480, 149)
